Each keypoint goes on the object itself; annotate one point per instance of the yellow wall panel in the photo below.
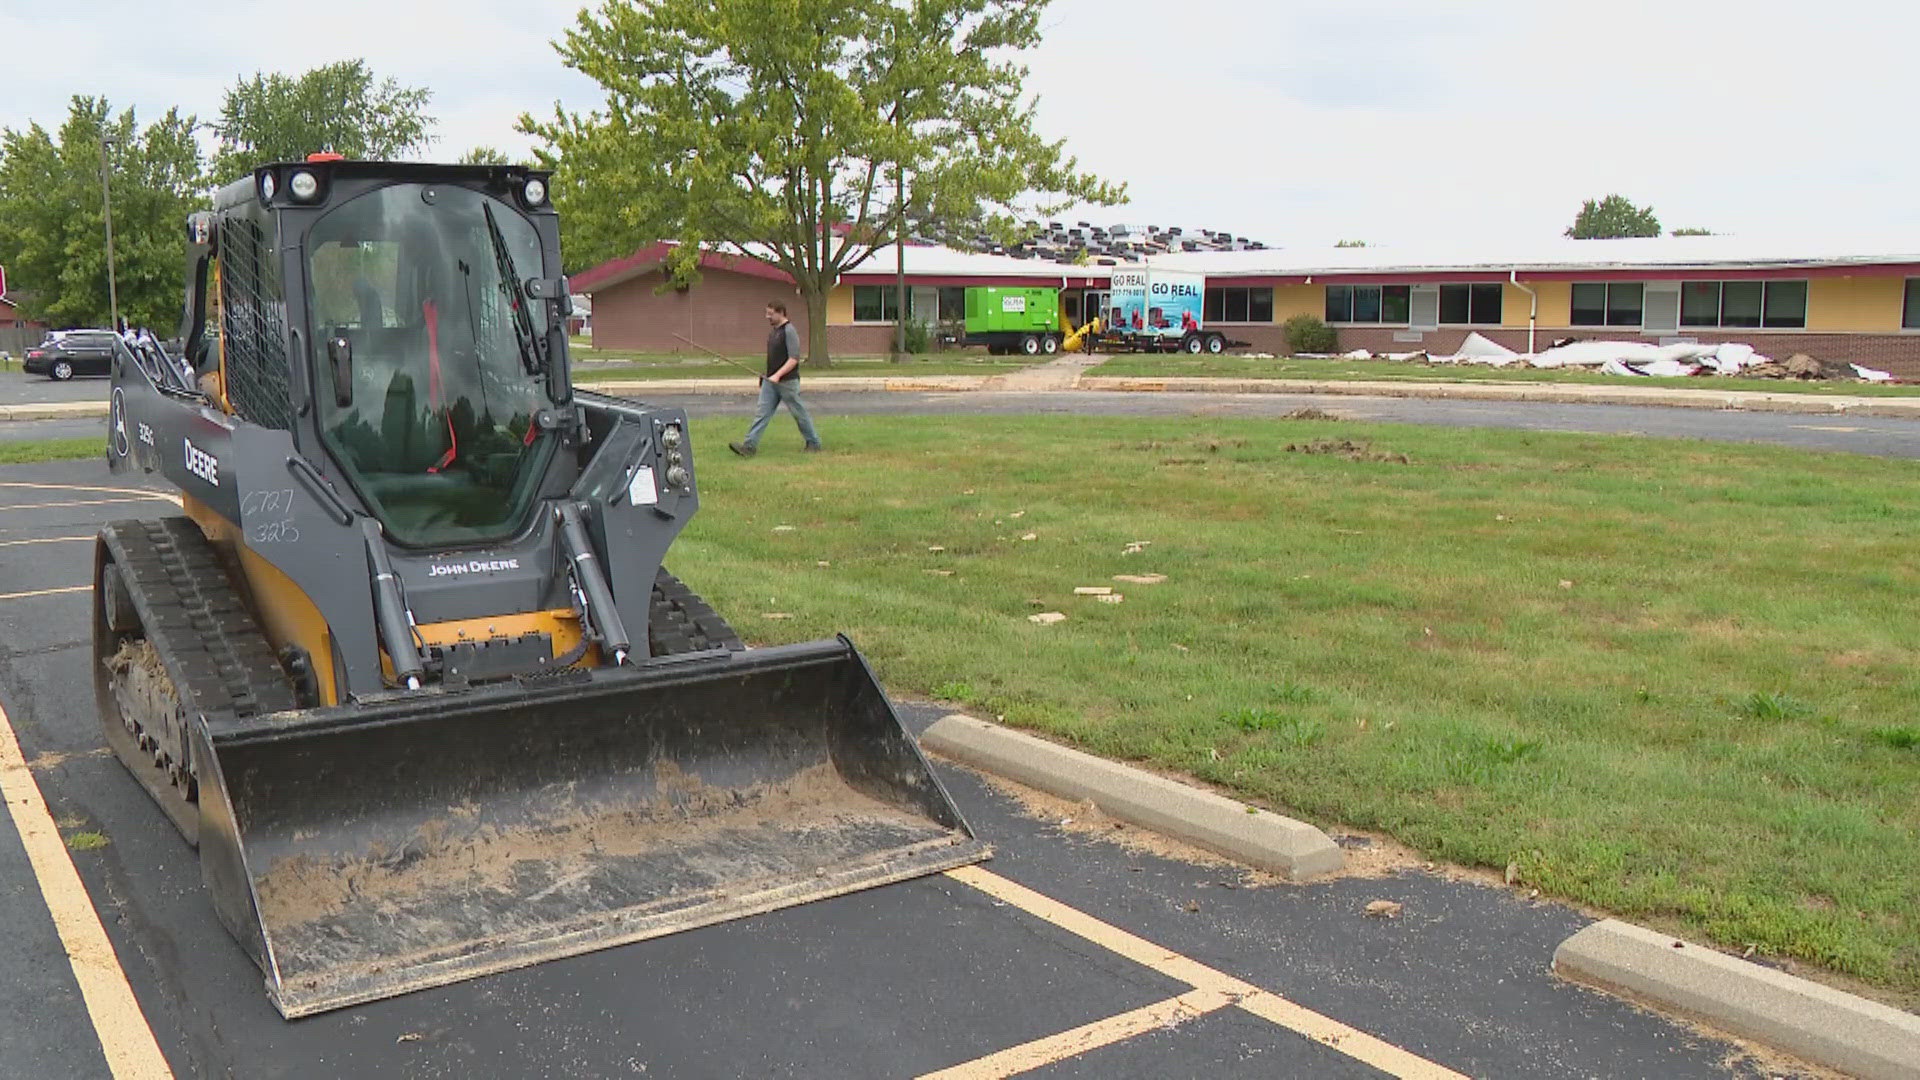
(840, 305)
(1870, 304)
(1556, 304)
(1291, 300)
(1515, 304)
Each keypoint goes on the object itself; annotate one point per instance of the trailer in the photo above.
(1014, 319)
(1158, 311)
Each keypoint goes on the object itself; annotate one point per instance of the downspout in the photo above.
(1533, 306)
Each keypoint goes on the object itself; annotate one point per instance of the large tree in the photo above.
(342, 108)
(785, 129)
(485, 155)
(1613, 218)
(52, 232)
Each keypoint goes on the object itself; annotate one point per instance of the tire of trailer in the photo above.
(1216, 344)
(1050, 344)
(1029, 345)
(1192, 344)
(681, 622)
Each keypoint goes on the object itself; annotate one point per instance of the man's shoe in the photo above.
(813, 449)
(743, 451)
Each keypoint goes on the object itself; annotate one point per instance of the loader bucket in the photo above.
(368, 850)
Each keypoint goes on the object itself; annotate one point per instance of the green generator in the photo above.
(1008, 319)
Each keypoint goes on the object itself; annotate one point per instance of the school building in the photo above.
(1855, 302)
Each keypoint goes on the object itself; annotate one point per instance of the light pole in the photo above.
(106, 204)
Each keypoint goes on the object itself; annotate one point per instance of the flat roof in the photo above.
(1557, 258)
(1558, 254)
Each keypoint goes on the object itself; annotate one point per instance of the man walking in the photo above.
(781, 384)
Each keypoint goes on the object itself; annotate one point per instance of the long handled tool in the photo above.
(721, 357)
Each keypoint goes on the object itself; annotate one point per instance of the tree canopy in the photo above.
(52, 233)
(1613, 218)
(780, 128)
(340, 107)
(485, 155)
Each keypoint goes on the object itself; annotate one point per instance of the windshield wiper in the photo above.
(532, 355)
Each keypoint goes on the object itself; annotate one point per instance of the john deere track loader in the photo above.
(407, 668)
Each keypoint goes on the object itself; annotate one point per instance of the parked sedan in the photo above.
(67, 353)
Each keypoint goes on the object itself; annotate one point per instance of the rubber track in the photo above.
(208, 640)
(681, 622)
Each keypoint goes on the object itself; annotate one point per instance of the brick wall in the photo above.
(1896, 353)
(725, 312)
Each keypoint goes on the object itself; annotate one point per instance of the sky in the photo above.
(1298, 124)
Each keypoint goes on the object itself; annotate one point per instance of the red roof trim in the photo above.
(615, 271)
(1430, 277)
(1711, 273)
(1037, 281)
(1663, 273)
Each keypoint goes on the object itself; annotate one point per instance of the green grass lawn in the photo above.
(1337, 370)
(1674, 680)
(23, 453)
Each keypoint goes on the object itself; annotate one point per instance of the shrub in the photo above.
(916, 339)
(1306, 334)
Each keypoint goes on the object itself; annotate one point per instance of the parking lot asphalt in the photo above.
(1066, 955)
(19, 388)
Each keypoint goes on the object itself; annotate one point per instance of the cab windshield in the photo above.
(436, 437)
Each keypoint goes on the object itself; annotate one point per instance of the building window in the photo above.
(878, 303)
(1368, 304)
(1775, 305)
(953, 303)
(1470, 305)
(1607, 304)
(1786, 305)
(1238, 305)
(1910, 315)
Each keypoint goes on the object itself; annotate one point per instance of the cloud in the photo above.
(1284, 121)
(1393, 120)
(486, 61)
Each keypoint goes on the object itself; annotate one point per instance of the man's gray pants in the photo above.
(772, 396)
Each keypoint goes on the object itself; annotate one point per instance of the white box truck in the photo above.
(1156, 310)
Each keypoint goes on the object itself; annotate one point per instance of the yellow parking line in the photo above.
(1029, 1056)
(1350, 1041)
(46, 540)
(125, 1038)
(44, 592)
(76, 502)
(143, 492)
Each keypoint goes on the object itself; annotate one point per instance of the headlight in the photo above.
(304, 185)
(670, 436)
(535, 192)
(267, 187)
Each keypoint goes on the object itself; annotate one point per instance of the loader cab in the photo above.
(426, 307)
(428, 391)
(436, 367)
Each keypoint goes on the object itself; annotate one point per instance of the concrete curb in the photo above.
(732, 386)
(1562, 393)
(53, 410)
(1292, 849)
(1814, 1022)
